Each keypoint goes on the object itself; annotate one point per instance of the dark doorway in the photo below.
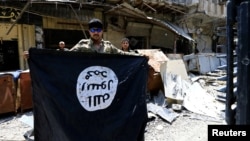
(136, 42)
(9, 56)
(70, 37)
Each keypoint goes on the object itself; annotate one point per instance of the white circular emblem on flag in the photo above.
(96, 87)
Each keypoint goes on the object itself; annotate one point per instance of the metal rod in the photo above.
(77, 17)
(19, 16)
(230, 99)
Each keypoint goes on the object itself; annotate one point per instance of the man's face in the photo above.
(95, 33)
(61, 45)
(125, 44)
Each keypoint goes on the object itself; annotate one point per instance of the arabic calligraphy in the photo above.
(96, 87)
(9, 13)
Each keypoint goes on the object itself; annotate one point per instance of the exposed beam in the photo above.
(149, 6)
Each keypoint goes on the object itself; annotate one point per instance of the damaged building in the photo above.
(171, 26)
(177, 35)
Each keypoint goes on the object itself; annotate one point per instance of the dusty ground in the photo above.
(187, 127)
(12, 129)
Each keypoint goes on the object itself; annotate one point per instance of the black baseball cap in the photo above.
(95, 23)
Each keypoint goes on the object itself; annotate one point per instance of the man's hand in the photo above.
(146, 56)
(26, 54)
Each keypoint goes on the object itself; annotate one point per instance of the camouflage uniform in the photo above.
(86, 45)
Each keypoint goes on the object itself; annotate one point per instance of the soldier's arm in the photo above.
(116, 50)
(81, 46)
(119, 51)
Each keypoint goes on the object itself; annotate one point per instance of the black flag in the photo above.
(81, 96)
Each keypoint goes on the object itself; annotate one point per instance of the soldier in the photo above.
(96, 42)
(125, 44)
(62, 46)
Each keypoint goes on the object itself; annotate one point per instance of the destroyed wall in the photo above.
(212, 8)
(204, 43)
(204, 19)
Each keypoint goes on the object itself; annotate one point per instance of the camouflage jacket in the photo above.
(86, 45)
